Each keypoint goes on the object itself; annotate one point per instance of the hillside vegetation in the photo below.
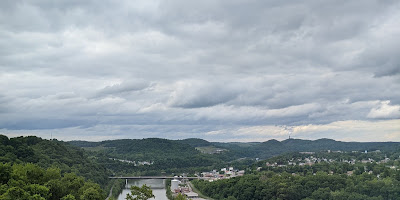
(33, 168)
(90, 163)
(272, 148)
(151, 156)
(321, 175)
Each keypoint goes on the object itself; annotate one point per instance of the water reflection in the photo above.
(157, 185)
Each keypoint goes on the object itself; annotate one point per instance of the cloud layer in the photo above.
(175, 69)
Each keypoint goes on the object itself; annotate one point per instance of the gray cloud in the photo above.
(196, 94)
(121, 88)
(163, 67)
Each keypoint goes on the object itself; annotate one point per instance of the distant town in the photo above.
(312, 158)
(135, 163)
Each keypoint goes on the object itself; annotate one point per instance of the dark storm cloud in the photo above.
(159, 68)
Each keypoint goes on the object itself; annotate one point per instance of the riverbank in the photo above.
(116, 189)
(198, 192)
(186, 188)
(109, 194)
(168, 191)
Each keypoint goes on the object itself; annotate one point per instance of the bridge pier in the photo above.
(126, 183)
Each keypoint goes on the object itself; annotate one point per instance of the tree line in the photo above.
(31, 182)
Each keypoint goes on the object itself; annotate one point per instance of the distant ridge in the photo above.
(237, 150)
(196, 142)
(273, 147)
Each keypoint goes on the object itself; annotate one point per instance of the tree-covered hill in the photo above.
(196, 142)
(180, 154)
(149, 149)
(155, 148)
(321, 175)
(33, 168)
(161, 154)
(273, 147)
(329, 144)
(272, 185)
(31, 182)
(51, 153)
(95, 161)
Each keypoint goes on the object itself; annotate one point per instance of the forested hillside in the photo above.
(286, 186)
(51, 153)
(272, 148)
(196, 142)
(321, 175)
(167, 154)
(33, 168)
(27, 163)
(152, 155)
(31, 182)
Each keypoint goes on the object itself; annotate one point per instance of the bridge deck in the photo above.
(152, 177)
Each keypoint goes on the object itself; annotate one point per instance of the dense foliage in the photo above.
(338, 165)
(271, 185)
(272, 148)
(95, 161)
(31, 182)
(140, 193)
(117, 187)
(174, 156)
(162, 154)
(196, 142)
(327, 175)
(52, 153)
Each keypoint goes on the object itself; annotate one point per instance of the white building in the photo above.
(174, 184)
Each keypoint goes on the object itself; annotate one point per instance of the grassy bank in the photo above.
(168, 189)
(198, 192)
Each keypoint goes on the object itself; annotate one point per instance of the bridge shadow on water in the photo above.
(152, 183)
(157, 185)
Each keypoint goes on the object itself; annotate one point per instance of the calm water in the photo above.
(157, 185)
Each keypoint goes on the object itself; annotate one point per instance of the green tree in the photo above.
(180, 197)
(57, 188)
(140, 193)
(36, 197)
(91, 194)
(5, 173)
(35, 189)
(68, 197)
(231, 198)
(15, 193)
(321, 193)
(34, 173)
(52, 173)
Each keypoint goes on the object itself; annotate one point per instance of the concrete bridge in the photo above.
(152, 177)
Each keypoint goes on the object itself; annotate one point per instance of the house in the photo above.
(349, 173)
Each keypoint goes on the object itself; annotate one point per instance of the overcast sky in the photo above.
(218, 70)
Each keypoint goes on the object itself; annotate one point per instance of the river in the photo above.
(157, 185)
